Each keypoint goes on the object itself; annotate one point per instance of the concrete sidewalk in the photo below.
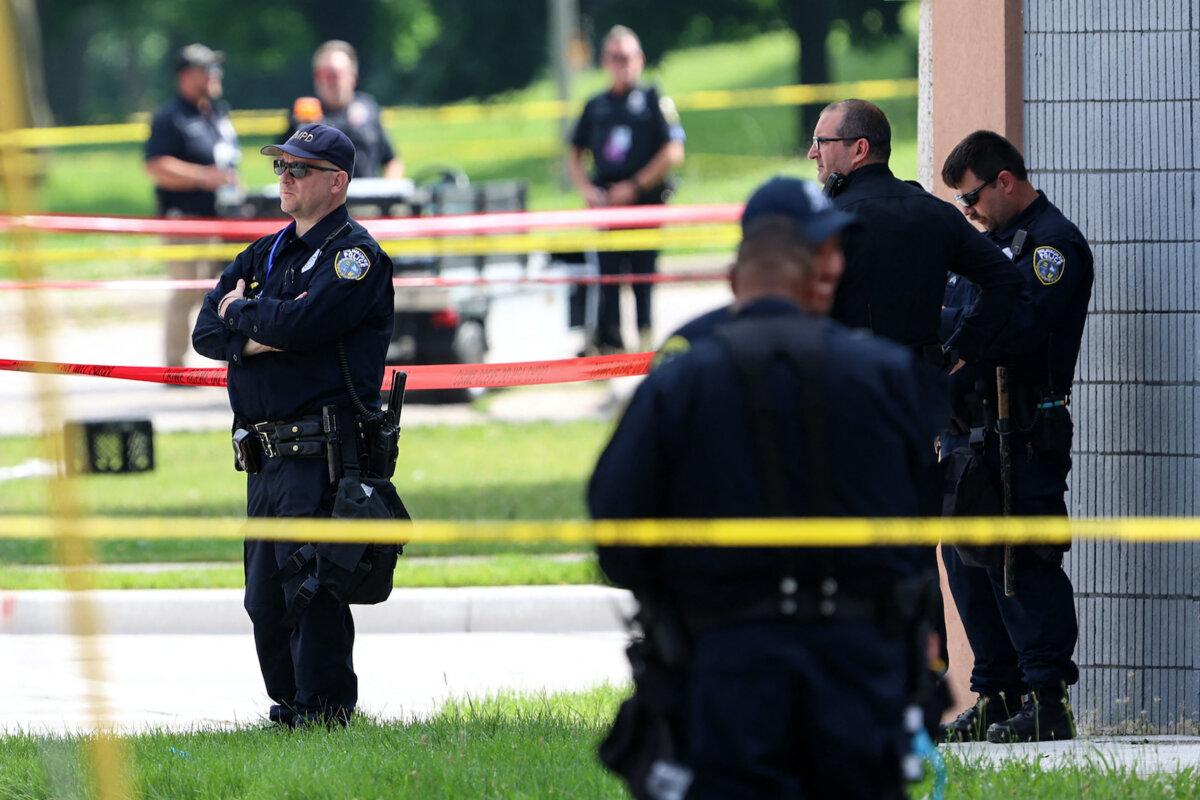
(1140, 754)
(540, 609)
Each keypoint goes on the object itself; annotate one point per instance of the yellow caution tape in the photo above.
(709, 237)
(272, 123)
(840, 532)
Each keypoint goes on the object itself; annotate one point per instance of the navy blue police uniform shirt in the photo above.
(896, 263)
(624, 133)
(360, 121)
(349, 297)
(684, 449)
(1040, 346)
(182, 130)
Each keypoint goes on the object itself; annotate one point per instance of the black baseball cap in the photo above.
(198, 55)
(315, 140)
(800, 201)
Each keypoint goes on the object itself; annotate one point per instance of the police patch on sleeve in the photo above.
(351, 264)
(1048, 265)
(675, 346)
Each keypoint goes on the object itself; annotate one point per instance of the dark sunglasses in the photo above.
(968, 199)
(298, 169)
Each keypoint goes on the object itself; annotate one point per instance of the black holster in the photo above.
(645, 745)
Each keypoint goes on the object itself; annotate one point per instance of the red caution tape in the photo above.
(424, 281)
(420, 377)
(395, 227)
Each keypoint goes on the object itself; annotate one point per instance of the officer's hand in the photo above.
(253, 348)
(237, 293)
(594, 196)
(215, 177)
(622, 194)
(958, 366)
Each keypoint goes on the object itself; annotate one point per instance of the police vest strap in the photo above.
(754, 345)
(301, 601)
(296, 562)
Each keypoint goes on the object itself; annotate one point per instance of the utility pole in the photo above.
(563, 28)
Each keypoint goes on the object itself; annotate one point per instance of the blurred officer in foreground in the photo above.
(335, 78)
(303, 317)
(635, 139)
(779, 672)
(1022, 643)
(897, 259)
(191, 155)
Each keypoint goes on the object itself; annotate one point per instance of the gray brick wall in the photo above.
(1112, 103)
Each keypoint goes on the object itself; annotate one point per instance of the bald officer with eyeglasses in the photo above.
(293, 312)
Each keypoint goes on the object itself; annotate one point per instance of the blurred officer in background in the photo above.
(192, 156)
(1022, 643)
(635, 139)
(335, 78)
(303, 317)
(780, 672)
(897, 259)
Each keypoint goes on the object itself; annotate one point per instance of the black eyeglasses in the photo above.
(968, 199)
(298, 169)
(820, 140)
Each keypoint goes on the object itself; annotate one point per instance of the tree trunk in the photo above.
(810, 20)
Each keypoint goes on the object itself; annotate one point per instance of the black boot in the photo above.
(1045, 717)
(972, 724)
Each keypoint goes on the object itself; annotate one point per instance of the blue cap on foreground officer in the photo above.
(798, 661)
(303, 317)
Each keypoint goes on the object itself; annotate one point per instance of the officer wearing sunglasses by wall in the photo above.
(297, 315)
(1022, 642)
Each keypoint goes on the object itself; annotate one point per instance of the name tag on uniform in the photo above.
(312, 260)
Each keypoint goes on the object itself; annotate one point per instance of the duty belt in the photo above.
(301, 438)
(827, 603)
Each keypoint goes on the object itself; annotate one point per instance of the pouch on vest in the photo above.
(972, 490)
(355, 573)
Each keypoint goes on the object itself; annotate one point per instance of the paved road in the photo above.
(525, 323)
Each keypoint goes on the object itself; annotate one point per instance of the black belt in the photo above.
(301, 438)
(827, 604)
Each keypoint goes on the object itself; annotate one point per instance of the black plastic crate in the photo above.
(110, 446)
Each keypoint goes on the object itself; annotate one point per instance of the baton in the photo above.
(1003, 430)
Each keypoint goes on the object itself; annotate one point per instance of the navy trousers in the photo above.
(796, 710)
(308, 670)
(1025, 641)
(637, 262)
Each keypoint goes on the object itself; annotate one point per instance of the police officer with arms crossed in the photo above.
(1022, 643)
(793, 664)
(279, 316)
(191, 155)
(354, 113)
(635, 140)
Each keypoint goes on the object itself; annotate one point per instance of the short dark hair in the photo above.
(867, 121)
(774, 244)
(987, 154)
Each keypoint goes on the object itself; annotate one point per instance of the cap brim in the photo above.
(828, 224)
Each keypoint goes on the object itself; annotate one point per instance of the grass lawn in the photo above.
(498, 570)
(494, 471)
(508, 747)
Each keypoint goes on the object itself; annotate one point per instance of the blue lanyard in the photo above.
(271, 256)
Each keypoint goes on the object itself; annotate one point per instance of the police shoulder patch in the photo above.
(352, 264)
(674, 346)
(1048, 264)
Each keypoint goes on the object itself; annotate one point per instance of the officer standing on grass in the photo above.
(1022, 643)
(635, 139)
(779, 672)
(298, 315)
